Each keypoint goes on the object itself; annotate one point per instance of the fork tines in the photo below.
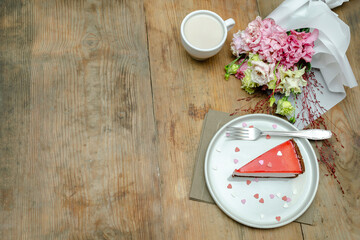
(237, 129)
(237, 132)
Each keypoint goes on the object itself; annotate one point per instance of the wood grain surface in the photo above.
(101, 111)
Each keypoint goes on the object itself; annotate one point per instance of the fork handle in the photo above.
(313, 134)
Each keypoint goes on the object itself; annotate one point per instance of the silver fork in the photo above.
(254, 133)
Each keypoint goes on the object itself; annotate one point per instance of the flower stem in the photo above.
(243, 62)
(277, 83)
(229, 68)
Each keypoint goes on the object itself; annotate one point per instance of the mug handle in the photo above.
(229, 23)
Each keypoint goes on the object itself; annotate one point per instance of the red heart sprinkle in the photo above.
(278, 218)
(237, 149)
(248, 182)
(261, 200)
(284, 198)
(252, 126)
(268, 137)
(229, 186)
(256, 196)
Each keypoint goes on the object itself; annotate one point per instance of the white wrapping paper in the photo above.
(330, 64)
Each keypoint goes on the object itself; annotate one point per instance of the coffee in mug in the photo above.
(203, 33)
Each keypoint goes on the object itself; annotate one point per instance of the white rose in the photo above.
(291, 81)
(261, 72)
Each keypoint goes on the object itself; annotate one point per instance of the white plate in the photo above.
(239, 202)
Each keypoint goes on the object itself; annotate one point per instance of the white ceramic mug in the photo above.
(200, 53)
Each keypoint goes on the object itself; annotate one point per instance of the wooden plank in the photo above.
(266, 7)
(184, 90)
(332, 206)
(77, 122)
(16, 36)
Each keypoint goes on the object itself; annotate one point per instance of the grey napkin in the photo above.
(213, 121)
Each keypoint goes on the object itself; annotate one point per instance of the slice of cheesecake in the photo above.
(282, 161)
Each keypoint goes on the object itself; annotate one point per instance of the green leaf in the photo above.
(292, 119)
(227, 75)
(272, 101)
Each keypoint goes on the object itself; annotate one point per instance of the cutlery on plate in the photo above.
(254, 133)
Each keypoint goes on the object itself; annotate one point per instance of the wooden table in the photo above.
(101, 113)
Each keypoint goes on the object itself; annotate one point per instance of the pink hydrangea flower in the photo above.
(247, 40)
(263, 37)
(271, 42)
(300, 46)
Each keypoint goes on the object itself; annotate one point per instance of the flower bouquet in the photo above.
(272, 59)
(278, 63)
